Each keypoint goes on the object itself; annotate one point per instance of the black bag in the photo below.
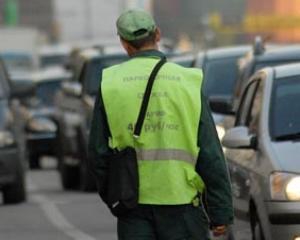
(123, 179)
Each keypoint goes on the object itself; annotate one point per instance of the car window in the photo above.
(244, 72)
(255, 110)
(246, 103)
(285, 114)
(220, 76)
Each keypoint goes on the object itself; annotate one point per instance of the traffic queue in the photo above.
(253, 92)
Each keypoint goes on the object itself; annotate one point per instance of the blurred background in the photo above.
(52, 53)
(203, 23)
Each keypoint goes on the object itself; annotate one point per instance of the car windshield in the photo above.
(17, 62)
(220, 76)
(93, 72)
(45, 91)
(53, 60)
(285, 114)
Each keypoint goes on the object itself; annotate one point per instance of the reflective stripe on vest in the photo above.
(167, 148)
(166, 154)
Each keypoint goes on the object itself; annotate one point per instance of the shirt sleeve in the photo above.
(99, 150)
(212, 167)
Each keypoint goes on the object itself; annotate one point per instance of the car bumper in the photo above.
(8, 159)
(41, 143)
(284, 218)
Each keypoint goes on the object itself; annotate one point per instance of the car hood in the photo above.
(287, 154)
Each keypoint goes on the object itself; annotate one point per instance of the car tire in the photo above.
(87, 181)
(69, 176)
(257, 233)
(34, 161)
(58, 146)
(16, 193)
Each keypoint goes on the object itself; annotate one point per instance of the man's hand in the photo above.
(219, 230)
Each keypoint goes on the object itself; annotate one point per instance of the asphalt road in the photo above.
(53, 214)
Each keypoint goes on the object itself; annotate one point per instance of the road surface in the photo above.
(53, 214)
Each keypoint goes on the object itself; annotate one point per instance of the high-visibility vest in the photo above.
(167, 149)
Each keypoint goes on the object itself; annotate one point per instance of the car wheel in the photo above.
(257, 233)
(34, 161)
(16, 193)
(59, 151)
(69, 173)
(69, 176)
(87, 181)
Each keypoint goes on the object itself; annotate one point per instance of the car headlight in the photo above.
(285, 186)
(293, 189)
(41, 125)
(6, 139)
(220, 131)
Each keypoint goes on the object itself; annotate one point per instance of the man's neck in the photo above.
(145, 48)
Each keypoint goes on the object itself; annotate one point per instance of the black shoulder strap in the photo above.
(143, 109)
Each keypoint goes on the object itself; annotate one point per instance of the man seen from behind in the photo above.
(179, 156)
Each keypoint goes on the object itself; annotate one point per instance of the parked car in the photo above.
(75, 104)
(220, 74)
(263, 152)
(12, 139)
(41, 127)
(261, 57)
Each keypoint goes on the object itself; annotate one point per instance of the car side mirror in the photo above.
(22, 89)
(221, 104)
(239, 137)
(72, 88)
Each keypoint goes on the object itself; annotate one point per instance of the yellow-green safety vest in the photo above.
(167, 149)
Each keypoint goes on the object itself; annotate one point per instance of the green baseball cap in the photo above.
(135, 24)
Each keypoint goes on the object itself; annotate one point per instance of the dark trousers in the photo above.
(150, 222)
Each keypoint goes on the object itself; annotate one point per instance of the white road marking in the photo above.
(55, 216)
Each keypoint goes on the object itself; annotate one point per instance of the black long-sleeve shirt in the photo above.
(211, 164)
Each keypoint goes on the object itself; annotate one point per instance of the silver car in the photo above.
(263, 152)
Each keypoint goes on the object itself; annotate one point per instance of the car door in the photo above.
(16, 114)
(242, 162)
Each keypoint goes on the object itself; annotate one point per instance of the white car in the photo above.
(263, 152)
